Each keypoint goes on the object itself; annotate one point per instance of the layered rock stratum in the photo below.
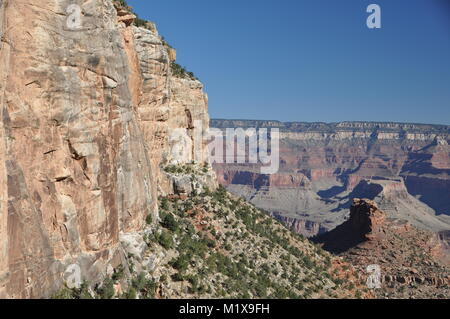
(88, 118)
(405, 168)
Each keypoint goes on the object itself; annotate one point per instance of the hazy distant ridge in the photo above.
(331, 127)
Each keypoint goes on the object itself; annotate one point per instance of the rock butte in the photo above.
(407, 256)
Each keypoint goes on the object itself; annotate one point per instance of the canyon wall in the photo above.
(88, 118)
(405, 168)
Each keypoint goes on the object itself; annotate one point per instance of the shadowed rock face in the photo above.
(402, 167)
(85, 122)
(365, 223)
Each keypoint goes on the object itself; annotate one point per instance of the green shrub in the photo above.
(181, 72)
(146, 287)
(130, 294)
(119, 273)
(165, 203)
(75, 293)
(209, 242)
(106, 290)
(63, 293)
(192, 247)
(165, 239)
(169, 222)
(177, 277)
(181, 263)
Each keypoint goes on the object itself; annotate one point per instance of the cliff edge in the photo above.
(88, 118)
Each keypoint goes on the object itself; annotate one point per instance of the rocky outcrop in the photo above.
(403, 167)
(87, 118)
(364, 224)
(405, 255)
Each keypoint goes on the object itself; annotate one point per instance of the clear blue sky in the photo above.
(313, 60)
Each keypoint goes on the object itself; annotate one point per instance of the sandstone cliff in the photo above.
(87, 118)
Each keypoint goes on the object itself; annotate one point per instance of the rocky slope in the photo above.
(405, 168)
(215, 245)
(414, 263)
(88, 118)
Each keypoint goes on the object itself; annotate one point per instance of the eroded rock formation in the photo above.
(406, 256)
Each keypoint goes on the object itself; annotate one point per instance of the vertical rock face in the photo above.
(173, 112)
(85, 122)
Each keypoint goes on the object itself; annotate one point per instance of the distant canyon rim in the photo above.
(403, 167)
